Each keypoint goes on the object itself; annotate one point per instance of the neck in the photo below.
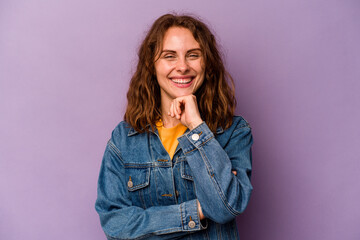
(169, 121)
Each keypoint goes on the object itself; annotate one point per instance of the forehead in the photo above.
(178, 38)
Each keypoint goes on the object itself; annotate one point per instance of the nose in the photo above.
(182, 65)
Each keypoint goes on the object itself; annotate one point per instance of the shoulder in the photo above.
(124, 136)
(121, 130)
(238, 122)
(127, 143)
(239, 126)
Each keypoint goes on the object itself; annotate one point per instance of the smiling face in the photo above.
(180, 67)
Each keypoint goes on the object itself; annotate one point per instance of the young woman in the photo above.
(179, 166)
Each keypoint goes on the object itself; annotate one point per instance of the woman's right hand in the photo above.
(201, 215)
(186, 110)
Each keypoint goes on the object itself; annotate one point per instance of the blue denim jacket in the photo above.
(143, 194)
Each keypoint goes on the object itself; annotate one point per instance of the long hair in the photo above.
(215, 96)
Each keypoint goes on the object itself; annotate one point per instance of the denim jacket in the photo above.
(143, 194)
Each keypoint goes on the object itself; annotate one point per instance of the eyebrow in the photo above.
(190, 50)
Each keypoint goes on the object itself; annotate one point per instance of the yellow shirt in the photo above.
(168, 136)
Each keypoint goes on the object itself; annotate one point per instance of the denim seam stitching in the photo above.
(182, 217)
(173, 185)
(207, 163)
(182, 172)
(242, 127)
(167, 230)
(141, 196)
(139, 186)
(131, 165)
(115, 150)
(152, 204)
(202, 144)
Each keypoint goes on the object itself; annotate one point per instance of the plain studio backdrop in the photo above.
(65, 68)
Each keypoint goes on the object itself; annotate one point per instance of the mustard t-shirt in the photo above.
(168, 136)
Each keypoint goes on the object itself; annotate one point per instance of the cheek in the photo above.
(200, 67)
(202, 63)
(162, 70)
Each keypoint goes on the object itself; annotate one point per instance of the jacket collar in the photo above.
(132, 132)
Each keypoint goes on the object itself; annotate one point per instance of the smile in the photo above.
(182, 80)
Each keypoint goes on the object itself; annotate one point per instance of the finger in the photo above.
(178, 109)
(182, 107)
(173, 104)
(234, 172)
(174, 109)
(178, 106)
(171, 110)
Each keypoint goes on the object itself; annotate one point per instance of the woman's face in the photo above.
(180, 67)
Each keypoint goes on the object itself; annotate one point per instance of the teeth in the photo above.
(181, 81)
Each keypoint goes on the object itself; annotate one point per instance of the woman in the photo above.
(179, 166)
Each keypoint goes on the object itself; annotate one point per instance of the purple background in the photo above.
(64, 73)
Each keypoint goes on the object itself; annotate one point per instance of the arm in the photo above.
(121, 220)
(222, 195)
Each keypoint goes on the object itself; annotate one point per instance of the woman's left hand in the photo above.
(186, 110)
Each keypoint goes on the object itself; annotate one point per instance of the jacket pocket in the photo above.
(185, 171)
(188, 180)
(138, 181)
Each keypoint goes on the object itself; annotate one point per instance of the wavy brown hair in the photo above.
(215, 96)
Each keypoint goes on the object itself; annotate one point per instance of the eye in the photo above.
(194, 55)
(169, 56)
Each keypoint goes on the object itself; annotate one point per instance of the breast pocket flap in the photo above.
(185, 171)
(137, 178)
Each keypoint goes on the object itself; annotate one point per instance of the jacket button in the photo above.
(177, 193)
(195, 137)
(130, 184)
(192, 224)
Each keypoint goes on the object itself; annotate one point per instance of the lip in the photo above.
(183, 81)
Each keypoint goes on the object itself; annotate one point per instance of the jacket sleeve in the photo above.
(121, 220)
(222, 195)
